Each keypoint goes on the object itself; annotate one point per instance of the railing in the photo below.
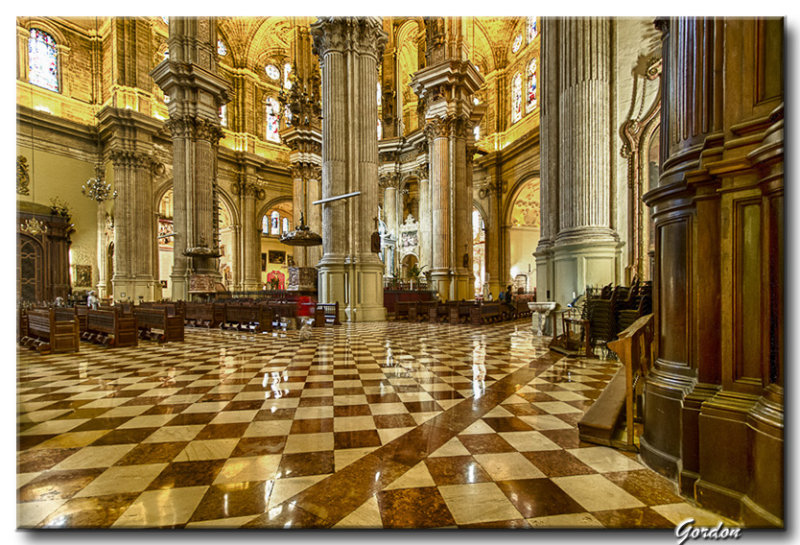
(634, 347)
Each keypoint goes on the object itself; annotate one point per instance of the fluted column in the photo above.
(586, 246)
(349, 272)
(424, 218)
(446, 88)
(190, 78)
(249, 190)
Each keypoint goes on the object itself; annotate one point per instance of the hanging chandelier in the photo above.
(301, 236)
(98, 189)
(304, 105)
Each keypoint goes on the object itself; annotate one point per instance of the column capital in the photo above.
(391, 179)
(130, 158)
(248, 189)
(305, 171)
(194, 128)
(363, 35)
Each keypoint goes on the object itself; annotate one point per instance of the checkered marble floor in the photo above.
(379, 425)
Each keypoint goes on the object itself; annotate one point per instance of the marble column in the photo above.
(545, 278)
(196, 93)
(249, 190)
(447, 88)
(127, 137)
(102, 281)
(424, 218)
(586, 247)
(349, 272)
(390, 185)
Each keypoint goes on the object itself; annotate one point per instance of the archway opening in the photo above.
(478, 252)
(524, 227)
(276, 257)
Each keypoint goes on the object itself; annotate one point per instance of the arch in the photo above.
(269, 205)
(514, 192)
(44, 61)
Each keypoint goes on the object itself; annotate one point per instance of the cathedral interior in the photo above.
(543, 257)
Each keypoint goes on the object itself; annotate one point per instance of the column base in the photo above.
(583, 259)
(356, 285)
(128, 289)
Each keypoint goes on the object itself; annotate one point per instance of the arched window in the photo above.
(379, 94)
(531, 101)
(517, 43)
(272, 71)
(285, 226)
(287, 71)
(273, 123)
(42, 60)
(274, 223)
(532, 29)
(380, 129)
(223, 115)
(221, 49)
(516, 98)
(476, 130)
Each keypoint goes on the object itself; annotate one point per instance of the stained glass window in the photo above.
(532, 29)
(285, 222)
(516, 98)
(287, 71)
(272, 120)
(530, 103)
(517, 43)
(221, 49)
(223, 115)
(476, 130)
(165, 19)
(272, 71)
(43, 60)
(379, 94)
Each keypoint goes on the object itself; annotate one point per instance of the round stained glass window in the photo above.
(517, 43)
(272, 71)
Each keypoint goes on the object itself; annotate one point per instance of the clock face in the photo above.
(272, 71)
(517, 43)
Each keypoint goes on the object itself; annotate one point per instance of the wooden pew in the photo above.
(438, 312)
(148, 318)
(459, 311)
(422, 311)
(52, 330)
(112, 328)
(486, 312)
(401, 309)
(331, 311)
(204, 314)
(248, 317)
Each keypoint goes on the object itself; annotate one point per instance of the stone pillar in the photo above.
(127, 135)
(349, 272)
(447, 87)
(545, 277)
(249, 190)
(102, 281)
(424, 218)
(586, 247)
(390, 184)
(196, 93)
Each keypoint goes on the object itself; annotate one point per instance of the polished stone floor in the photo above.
(382, 425)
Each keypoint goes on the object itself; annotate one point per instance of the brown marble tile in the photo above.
(312, 425)
(356, 439)
(277, 414)
(222, 431)
(534, 397)
(563, 438)
(350, 390)
(56, 485)
(306, 463)
(446, 394)
(151, 453)
(497, 525)
(422, 406)
(192, 419)
(142, 401)
(244, 405)
(415, 445)
(180, 474)
(394, 421)
(216, 398)
(42, 459)
(122, 437)
(233, 500)
(83, 413)
(507, 424)
(558, 463)
(102, 423)
(456, 470)
(538, 497)
(485, 443)
(351, 410)
(287, 515)
(646, 486)
(93, 512)
(389, 397)
(258, 446)
(175, 408)
(73, 404)
(325, 401)
(414, 508)
(643, 517)
(24, 442)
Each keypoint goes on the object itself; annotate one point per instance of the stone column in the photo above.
(390, 184)
(447, 88)
(586, 247)
(127, 135)
(545, 279)
(196, 92)
(249, 190)
(102, 281)
(349, 272)
(424, 217)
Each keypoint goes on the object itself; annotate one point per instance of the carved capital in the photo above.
(421, 172)
(195, 128)
(248, 189)
(23, 177)
(364, 35)
(390, 179)
(436, 128)
(306, 171)
(131, 159)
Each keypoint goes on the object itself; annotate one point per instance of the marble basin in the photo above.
(542, 310)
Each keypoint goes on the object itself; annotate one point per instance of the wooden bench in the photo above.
(52, 330)
(459, 311)
(402, 308)
(204, 314)
(149, 319)
(248, 317)
(438, 312)
(331, 313)
(486, 312)
(421, 311)
(111, 328)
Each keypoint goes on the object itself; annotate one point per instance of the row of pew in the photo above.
(461, 312)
